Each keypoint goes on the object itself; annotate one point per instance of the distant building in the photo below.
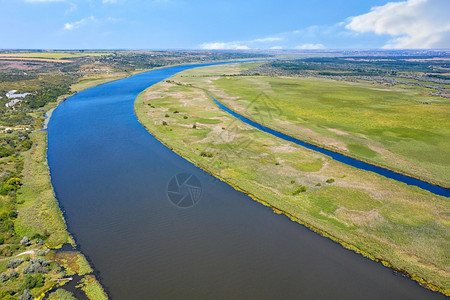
(12, 94)
(12, 103)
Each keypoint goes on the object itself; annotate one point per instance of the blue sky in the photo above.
(227, 24)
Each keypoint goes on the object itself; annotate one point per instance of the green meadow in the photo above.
(404, 227)
(396, 127)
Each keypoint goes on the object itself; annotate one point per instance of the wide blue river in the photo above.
(112, 177)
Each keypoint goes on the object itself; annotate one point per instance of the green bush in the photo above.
(301, 189)
(206, 154)
(32, 281)
(331, 180)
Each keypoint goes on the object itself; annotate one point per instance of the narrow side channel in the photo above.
(435, 189)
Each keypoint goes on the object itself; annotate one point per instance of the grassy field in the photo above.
(391, 127)
(404, 227)
(38, 209)
(55, 54)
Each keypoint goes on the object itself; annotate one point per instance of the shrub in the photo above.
(331, 180)
(14, 181)
(61, 294)
(176, 112)
(164, 123)
(13, 214)
(26, 295)
(301, 189)
(7, 295)
(319, 184)
(14, 263)
(36, 265)
(292, 181)
(32, 281)
(206, 154)
(3, 277)
(185, 117)
(167, 115)
(194, 126)
(13, 274)
(39, 236)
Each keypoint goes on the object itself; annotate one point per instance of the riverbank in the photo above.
(382, 219)
(39, 214)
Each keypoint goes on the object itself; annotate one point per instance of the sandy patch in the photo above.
(369, 218)
(285, 148)
(338, 131)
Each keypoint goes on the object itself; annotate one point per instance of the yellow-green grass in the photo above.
(73, 262)
(92, 288)
(55, 54)
(403, 226)
(39, 212)
(387, 126)
(61, 294)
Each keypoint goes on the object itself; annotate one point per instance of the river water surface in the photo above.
(111, 179)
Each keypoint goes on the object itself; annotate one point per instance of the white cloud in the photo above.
(413, 23)
(239, 45)
(310, 46)
(109, 1)
(276, 47)
(77, 24)
(224, 46)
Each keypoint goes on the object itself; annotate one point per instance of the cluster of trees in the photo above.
(129, 61)
(356, 66)
(384, 70)
(13, 141)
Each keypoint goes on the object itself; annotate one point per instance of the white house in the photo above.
(12, 94)
(12, 103)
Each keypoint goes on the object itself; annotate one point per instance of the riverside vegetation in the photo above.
(31, 223)
(404, 227)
